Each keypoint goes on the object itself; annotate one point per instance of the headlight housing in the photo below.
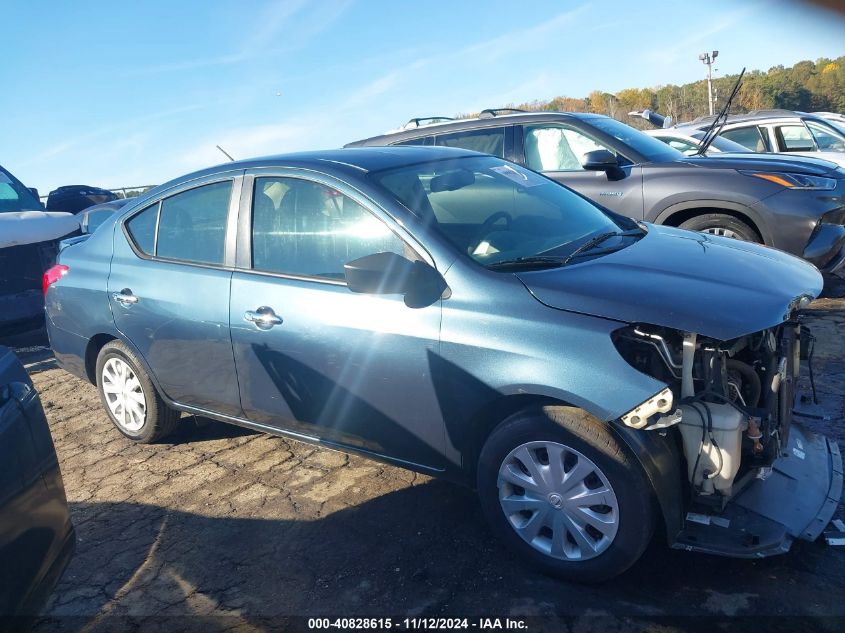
(794, 181)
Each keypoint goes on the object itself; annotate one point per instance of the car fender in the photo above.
(752, 214)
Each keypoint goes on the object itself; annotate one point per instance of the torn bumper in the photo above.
(797, 500)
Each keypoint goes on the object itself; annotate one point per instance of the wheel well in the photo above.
(92, 351)
(679, 217)
(490, 416)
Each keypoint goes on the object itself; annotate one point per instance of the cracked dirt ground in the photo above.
(225, 522)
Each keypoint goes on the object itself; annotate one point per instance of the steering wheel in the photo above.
(487, 227)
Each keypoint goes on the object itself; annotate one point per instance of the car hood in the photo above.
(769, 162)
(694, 282)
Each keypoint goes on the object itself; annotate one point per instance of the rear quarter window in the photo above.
(142, 229)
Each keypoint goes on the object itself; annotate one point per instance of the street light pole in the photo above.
(709, 59)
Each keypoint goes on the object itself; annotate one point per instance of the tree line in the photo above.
(807, 86)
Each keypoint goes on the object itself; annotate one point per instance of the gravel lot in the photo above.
(248, 530)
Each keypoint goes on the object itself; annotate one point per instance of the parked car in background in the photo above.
(36, 535)
(462, 316)
(92, 217)
(689, 144)
(779, 131)
(793, 203)
(29, 239)
(836, 119)
(75, 198)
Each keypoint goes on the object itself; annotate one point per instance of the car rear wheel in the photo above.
(129, 397)
(722, 224)
(563, 490)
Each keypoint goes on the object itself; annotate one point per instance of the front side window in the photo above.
(495, 211)
(795, 138)
(192, 227)
(142, 229)
(300, 227)
(557, 148)
(487, 141)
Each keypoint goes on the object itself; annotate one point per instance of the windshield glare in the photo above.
(496, 211)
(14, 196)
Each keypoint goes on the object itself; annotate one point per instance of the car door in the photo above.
(169, 290)
(556, 150)
(312, 357)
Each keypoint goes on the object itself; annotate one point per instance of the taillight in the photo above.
(52, 276)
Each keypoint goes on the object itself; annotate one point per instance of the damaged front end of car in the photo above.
(755, 481)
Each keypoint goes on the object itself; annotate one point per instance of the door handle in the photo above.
(124, 297)
(264, 317)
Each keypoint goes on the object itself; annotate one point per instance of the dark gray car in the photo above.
(792, 203)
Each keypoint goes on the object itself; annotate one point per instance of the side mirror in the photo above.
(34, 192)
(599, 160)
(389, 273)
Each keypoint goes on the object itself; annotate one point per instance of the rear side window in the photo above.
(750, 137)
(193, 224)
(421, 140)
(142, 229)
(490, 140)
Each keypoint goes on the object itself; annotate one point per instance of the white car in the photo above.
(689, 143)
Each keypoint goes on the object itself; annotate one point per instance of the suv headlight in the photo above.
(794, 181)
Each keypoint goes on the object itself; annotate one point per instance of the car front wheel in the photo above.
(129, 397)
(563, 490)
(722, 224)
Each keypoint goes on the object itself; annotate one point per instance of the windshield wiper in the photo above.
(582, 250)
(530, 260)
(719, 122)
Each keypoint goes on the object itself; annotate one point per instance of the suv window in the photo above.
(420, 140)
(192, 226)
(305, 228)
(489, 140)
(795, 138)
(142, 229)
(557, 148)
(750, 136)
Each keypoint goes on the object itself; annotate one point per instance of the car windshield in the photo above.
(14, 196)
(496, 212)
(651, 148)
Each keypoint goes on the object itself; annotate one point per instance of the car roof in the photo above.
(444, 127)
(354, 161)
(754, 115)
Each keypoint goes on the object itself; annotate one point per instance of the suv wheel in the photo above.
(563, 490)
(722, 224)
(129, 397)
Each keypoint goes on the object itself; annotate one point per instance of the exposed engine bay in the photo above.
(730, 401)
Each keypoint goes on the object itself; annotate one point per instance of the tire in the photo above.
(724, 225)
(586, 448)
(147, 418)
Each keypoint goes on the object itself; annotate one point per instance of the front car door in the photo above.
(312, 357)
(169, 290)
(557, 149)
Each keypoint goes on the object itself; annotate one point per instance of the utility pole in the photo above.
(708, 59)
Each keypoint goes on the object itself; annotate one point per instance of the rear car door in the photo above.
(169, 290)
(313, 358)
(556, 150)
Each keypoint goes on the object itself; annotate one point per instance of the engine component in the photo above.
(638, 418)
(712, 438)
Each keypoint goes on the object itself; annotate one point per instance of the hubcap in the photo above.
(124, 395)
(558, 501)
(723, 232)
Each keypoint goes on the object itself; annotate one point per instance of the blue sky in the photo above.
(115, 93)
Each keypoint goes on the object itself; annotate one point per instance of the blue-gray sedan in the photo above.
(462, 316)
